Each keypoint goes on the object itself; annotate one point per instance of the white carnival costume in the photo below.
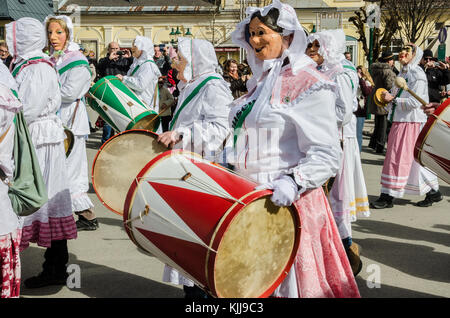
(348, 195)
(142, 77)
(10, 232)
(290, 134)
(75, 80)
(201, 115)
(39, 92)
(401, 173)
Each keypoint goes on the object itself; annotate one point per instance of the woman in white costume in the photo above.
(285, 139)
(348, 195)
(200, 120)
(142, 77)
(401, 173)
(75, 79)
(38, 90)
(10, 231)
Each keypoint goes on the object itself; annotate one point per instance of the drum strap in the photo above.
(189, 98)
(137, 67)
(239, 119)
(33, 60)
(74, 113)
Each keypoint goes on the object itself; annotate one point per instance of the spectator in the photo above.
(438, 75)
(364, 89)
(114, 63)
(348, 56)
(383, 77)
(235, 78)
(166, 101)
(4, 54)
(162, 59)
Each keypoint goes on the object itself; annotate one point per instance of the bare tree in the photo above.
(382, 34)
(417, 17)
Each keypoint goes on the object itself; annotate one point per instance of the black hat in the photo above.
(429, 53)
(386, 56)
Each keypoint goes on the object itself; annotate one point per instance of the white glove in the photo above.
(285, 190)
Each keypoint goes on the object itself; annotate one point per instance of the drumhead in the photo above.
(119, 161)
(68, 141)
(148, 122)
(259, 245)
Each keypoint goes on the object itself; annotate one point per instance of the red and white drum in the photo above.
(432, 149)
(118, 162)
(211, 225)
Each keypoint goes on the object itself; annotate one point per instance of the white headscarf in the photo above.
(332, 44)
(296, 52)
(200, 56)
(146, 46)
(6, 78)
(71, 45)
(25, 38)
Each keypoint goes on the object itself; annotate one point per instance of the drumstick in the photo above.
(400, 82)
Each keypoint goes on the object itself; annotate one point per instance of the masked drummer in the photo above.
(38, 90)
(401, 173)
(10, 231)
(200, 120)
(285, 139)
(75, 78)
(348, 195)
(142, 77)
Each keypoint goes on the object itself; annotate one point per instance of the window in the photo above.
(395, 46)
(2, 33)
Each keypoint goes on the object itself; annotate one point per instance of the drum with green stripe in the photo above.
(119, 106)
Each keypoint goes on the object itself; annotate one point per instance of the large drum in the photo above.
(432, 149)
(211, 225)
(118, 162)
(119, 106)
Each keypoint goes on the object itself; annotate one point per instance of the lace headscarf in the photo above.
(288, 21)
(200, 56)
(332, 48)
(146, 46)
(25, 39)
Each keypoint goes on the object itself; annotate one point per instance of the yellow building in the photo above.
(99, 22)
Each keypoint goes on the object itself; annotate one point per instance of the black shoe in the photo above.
(430, 198)
(84, 224)
(45, 279)
(383, 202)
(379, 150)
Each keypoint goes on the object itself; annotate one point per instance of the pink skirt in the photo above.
(321, 268)
(10, 264)
(401, 174)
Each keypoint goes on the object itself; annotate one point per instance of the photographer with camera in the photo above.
(438, 74)
(236, 79)
(115, 62)
(162, 59)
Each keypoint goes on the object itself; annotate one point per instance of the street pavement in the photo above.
(405, 250)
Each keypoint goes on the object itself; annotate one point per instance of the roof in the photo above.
(16, 9)
(136, 6)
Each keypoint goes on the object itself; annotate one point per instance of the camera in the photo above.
(120, 53)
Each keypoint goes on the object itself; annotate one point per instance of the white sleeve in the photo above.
(315, 122)
(76, 83)
(420, 87)
(209, 132)
(344, 101)
(142, 79)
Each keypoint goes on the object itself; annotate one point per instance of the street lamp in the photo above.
(188, 33)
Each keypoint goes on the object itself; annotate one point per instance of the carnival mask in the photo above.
(267, 43)
(179, 63)
(406, 54)
(57, 36)
(312, 50)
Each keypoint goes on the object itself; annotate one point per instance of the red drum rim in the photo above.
(98, 153)
(426, 130)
